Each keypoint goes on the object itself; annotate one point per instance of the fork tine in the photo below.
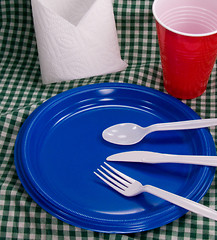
(109, 183)
(121, 180)
(111, 179)
(129, 179)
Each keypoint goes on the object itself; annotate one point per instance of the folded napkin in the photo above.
(76, 39)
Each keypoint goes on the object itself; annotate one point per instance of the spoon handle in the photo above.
(183, 125)
(153, 157)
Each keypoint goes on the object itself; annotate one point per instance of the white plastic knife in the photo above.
(153, 157)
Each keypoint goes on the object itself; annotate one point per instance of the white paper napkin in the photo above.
(76, 39)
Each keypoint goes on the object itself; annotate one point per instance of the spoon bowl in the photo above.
(124, 134)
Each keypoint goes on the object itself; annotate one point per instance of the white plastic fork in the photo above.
(130, 187)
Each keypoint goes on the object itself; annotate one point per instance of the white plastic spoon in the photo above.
(131, 133)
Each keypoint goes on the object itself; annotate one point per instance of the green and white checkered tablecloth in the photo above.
(22, 91)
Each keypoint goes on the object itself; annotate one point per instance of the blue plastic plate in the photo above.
(60, 146)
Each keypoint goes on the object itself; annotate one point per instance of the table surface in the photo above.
(22, 91)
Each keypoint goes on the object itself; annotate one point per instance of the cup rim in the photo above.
(176, 31)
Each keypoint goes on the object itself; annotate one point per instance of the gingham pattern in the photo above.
(21, 91)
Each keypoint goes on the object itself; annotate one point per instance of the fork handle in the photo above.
(182, 202)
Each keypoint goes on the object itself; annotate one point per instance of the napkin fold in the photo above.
(76, 39)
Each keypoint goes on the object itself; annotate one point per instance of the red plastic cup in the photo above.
(187, 35)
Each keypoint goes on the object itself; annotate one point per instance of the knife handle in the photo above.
(152, 157)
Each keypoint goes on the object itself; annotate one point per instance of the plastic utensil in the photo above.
(130, 187)
(131, 133)
(153, 157)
